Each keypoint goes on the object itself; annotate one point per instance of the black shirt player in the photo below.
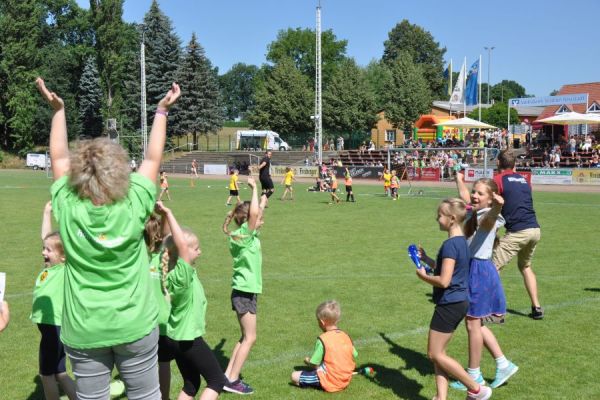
(264, 175)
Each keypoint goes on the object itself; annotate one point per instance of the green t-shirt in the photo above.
(188, 303)
(48, 296)
(319, 353)
(108, 296)
(164, 307)
(244, 246)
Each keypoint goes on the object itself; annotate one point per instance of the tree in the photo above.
(299, 45)
(409, 96)
(496, 115)
(237, 90)
(90, 102)
(348, 104)
(422, 48)
(507, 89)
(283, 100)
(379, 79)
(199, 110)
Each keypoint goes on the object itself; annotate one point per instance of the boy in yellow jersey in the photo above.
(234, 189)
(287, 181)
(334, 185)
(348, 183)
(387, 180)
(334, 354)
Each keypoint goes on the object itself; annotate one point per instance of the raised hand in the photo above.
(52, 98)
(171, 97)
(160, 208)
(251, 182)
(498, 199)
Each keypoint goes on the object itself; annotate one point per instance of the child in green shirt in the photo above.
(109, 316)
(244, 246)
(186, 324)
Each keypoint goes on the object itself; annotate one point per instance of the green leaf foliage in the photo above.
(237, 90)
(90, 101)
(496, 115)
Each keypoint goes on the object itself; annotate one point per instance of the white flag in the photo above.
(458, 93)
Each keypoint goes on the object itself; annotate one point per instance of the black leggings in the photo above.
(195, 358)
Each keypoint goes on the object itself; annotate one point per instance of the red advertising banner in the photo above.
(432, 174)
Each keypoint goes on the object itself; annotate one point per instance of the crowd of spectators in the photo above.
(580, 151)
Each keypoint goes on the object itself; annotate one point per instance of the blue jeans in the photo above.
(135, 361)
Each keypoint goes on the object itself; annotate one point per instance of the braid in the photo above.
(164, 265)
(227, 221)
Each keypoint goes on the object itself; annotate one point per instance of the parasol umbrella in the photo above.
(466, 123)
(571, 118)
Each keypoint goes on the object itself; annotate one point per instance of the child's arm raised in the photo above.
(59, 145)
(158, 134)
(176, 232)
(463, 190)
(254, 211)
(488, 222)
(47, 220)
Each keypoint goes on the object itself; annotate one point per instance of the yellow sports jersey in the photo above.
(387, 178)
(288, 177)
(233, 182)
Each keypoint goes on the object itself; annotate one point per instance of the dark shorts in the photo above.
(333, 190)
(243, 302)
(234, 192)
(166, 351)
(348, 188)
(394, 190)
(446, 317)
(266, 183)
(52, 352)
(309, 379)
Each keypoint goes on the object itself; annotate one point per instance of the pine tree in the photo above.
(199, 110)
(90, 101)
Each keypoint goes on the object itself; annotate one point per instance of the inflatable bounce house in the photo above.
(427, 130)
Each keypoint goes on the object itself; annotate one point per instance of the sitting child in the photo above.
(333, 358)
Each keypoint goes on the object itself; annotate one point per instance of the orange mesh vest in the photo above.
(338, 361)
(348, 180)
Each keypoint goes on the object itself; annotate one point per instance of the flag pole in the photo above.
(465, 88)
(479, 84)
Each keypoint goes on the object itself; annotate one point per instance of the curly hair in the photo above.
(99, 171)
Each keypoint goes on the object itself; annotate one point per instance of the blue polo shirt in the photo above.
(457, 249)
(518, 203)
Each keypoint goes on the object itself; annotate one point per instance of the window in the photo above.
(594, 108)
(563, 109)
(390, 135)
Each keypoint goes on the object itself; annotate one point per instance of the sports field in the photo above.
(354, 253)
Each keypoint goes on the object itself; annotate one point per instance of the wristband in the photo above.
(162, 112)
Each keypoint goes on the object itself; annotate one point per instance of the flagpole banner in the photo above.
(580, 98)
(472, 84)
(458, 93)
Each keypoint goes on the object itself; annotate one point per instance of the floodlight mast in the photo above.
(143, 114)
(318, 92)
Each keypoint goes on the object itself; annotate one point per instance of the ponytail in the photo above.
(164, 265)
(226, 223)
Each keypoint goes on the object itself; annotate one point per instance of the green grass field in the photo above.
(355, 253)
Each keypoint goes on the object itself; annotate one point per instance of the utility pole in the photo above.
(489, 50)
(143, 114)
(318, 92)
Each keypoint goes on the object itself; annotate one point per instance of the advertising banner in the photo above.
(432, 174)
(551, 176)
(215, 169)
(586, 176)
(279, 170)
(472, 174)
(360, 172)
(579, 98)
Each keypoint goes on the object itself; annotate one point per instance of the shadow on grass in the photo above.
(402, 386)
(592, 289)
(413, 359)
(220, 354)
(515, 312)
(38, 392)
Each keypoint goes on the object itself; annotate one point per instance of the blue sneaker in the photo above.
(459, 386)
(502, 375)
(238, 387)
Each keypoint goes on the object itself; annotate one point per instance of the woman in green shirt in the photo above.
(109, 315)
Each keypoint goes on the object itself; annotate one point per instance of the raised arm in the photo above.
(179, 239)
(47, 220)
(463, 190)
(488, 222)
(59, 145)
(156, 144)
(254, 211)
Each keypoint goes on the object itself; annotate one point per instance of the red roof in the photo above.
(592, 89)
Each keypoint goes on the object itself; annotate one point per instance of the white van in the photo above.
(37, 161)
(260, 140)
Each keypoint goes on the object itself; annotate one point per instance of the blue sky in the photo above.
(540, 44)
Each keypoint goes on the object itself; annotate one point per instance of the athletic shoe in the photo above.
(494, 319)
(238, 387)
(484, 394)
(502, 375)
(537, 313)
(459, 386)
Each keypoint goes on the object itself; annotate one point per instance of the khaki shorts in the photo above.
(522, 243)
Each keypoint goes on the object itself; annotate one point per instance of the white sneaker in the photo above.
(485, 392)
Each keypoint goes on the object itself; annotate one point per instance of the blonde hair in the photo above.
(329, 312)
(239, 214)
(170, 250)
(153, 233)
(55, 242)
(454, 207)
(99, 171)
(471, 225)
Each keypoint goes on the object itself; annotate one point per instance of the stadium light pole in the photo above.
(489, 50)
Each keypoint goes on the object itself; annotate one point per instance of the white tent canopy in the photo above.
(571, 118)
(465, 123)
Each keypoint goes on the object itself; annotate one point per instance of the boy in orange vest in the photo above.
(333, 358)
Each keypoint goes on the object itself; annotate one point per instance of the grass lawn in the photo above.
(354, 253)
